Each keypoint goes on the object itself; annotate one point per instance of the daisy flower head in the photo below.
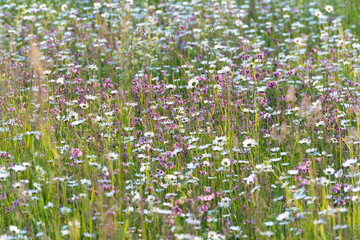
(249, 143)
(151, 199)
(283, 216)
(219, 141)
(65, 210)
(318, 14)
(42, 7)
(149, 134)
(105, 15)
(329, 171)
(60, 81)
(298, 41)
(225, 162)
(299, 194)
(97, 5)
(340, 43)
(84, 105)
(329, 8)
(65, 232)
(225, 202)
(14, 229)
(192, 83)
(170, 86)
(356, 46)
(63, 7)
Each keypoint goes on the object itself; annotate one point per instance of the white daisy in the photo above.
(249, 143)
(225, 162)
(318, 14)
(329, 171)
(192, 83)
(329, 8)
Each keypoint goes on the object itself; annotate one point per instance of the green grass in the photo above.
(74, 55)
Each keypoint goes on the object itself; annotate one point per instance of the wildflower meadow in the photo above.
(171, 119)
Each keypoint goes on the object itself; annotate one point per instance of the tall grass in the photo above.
(179, 120)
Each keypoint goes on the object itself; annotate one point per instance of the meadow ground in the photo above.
(197, 119)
